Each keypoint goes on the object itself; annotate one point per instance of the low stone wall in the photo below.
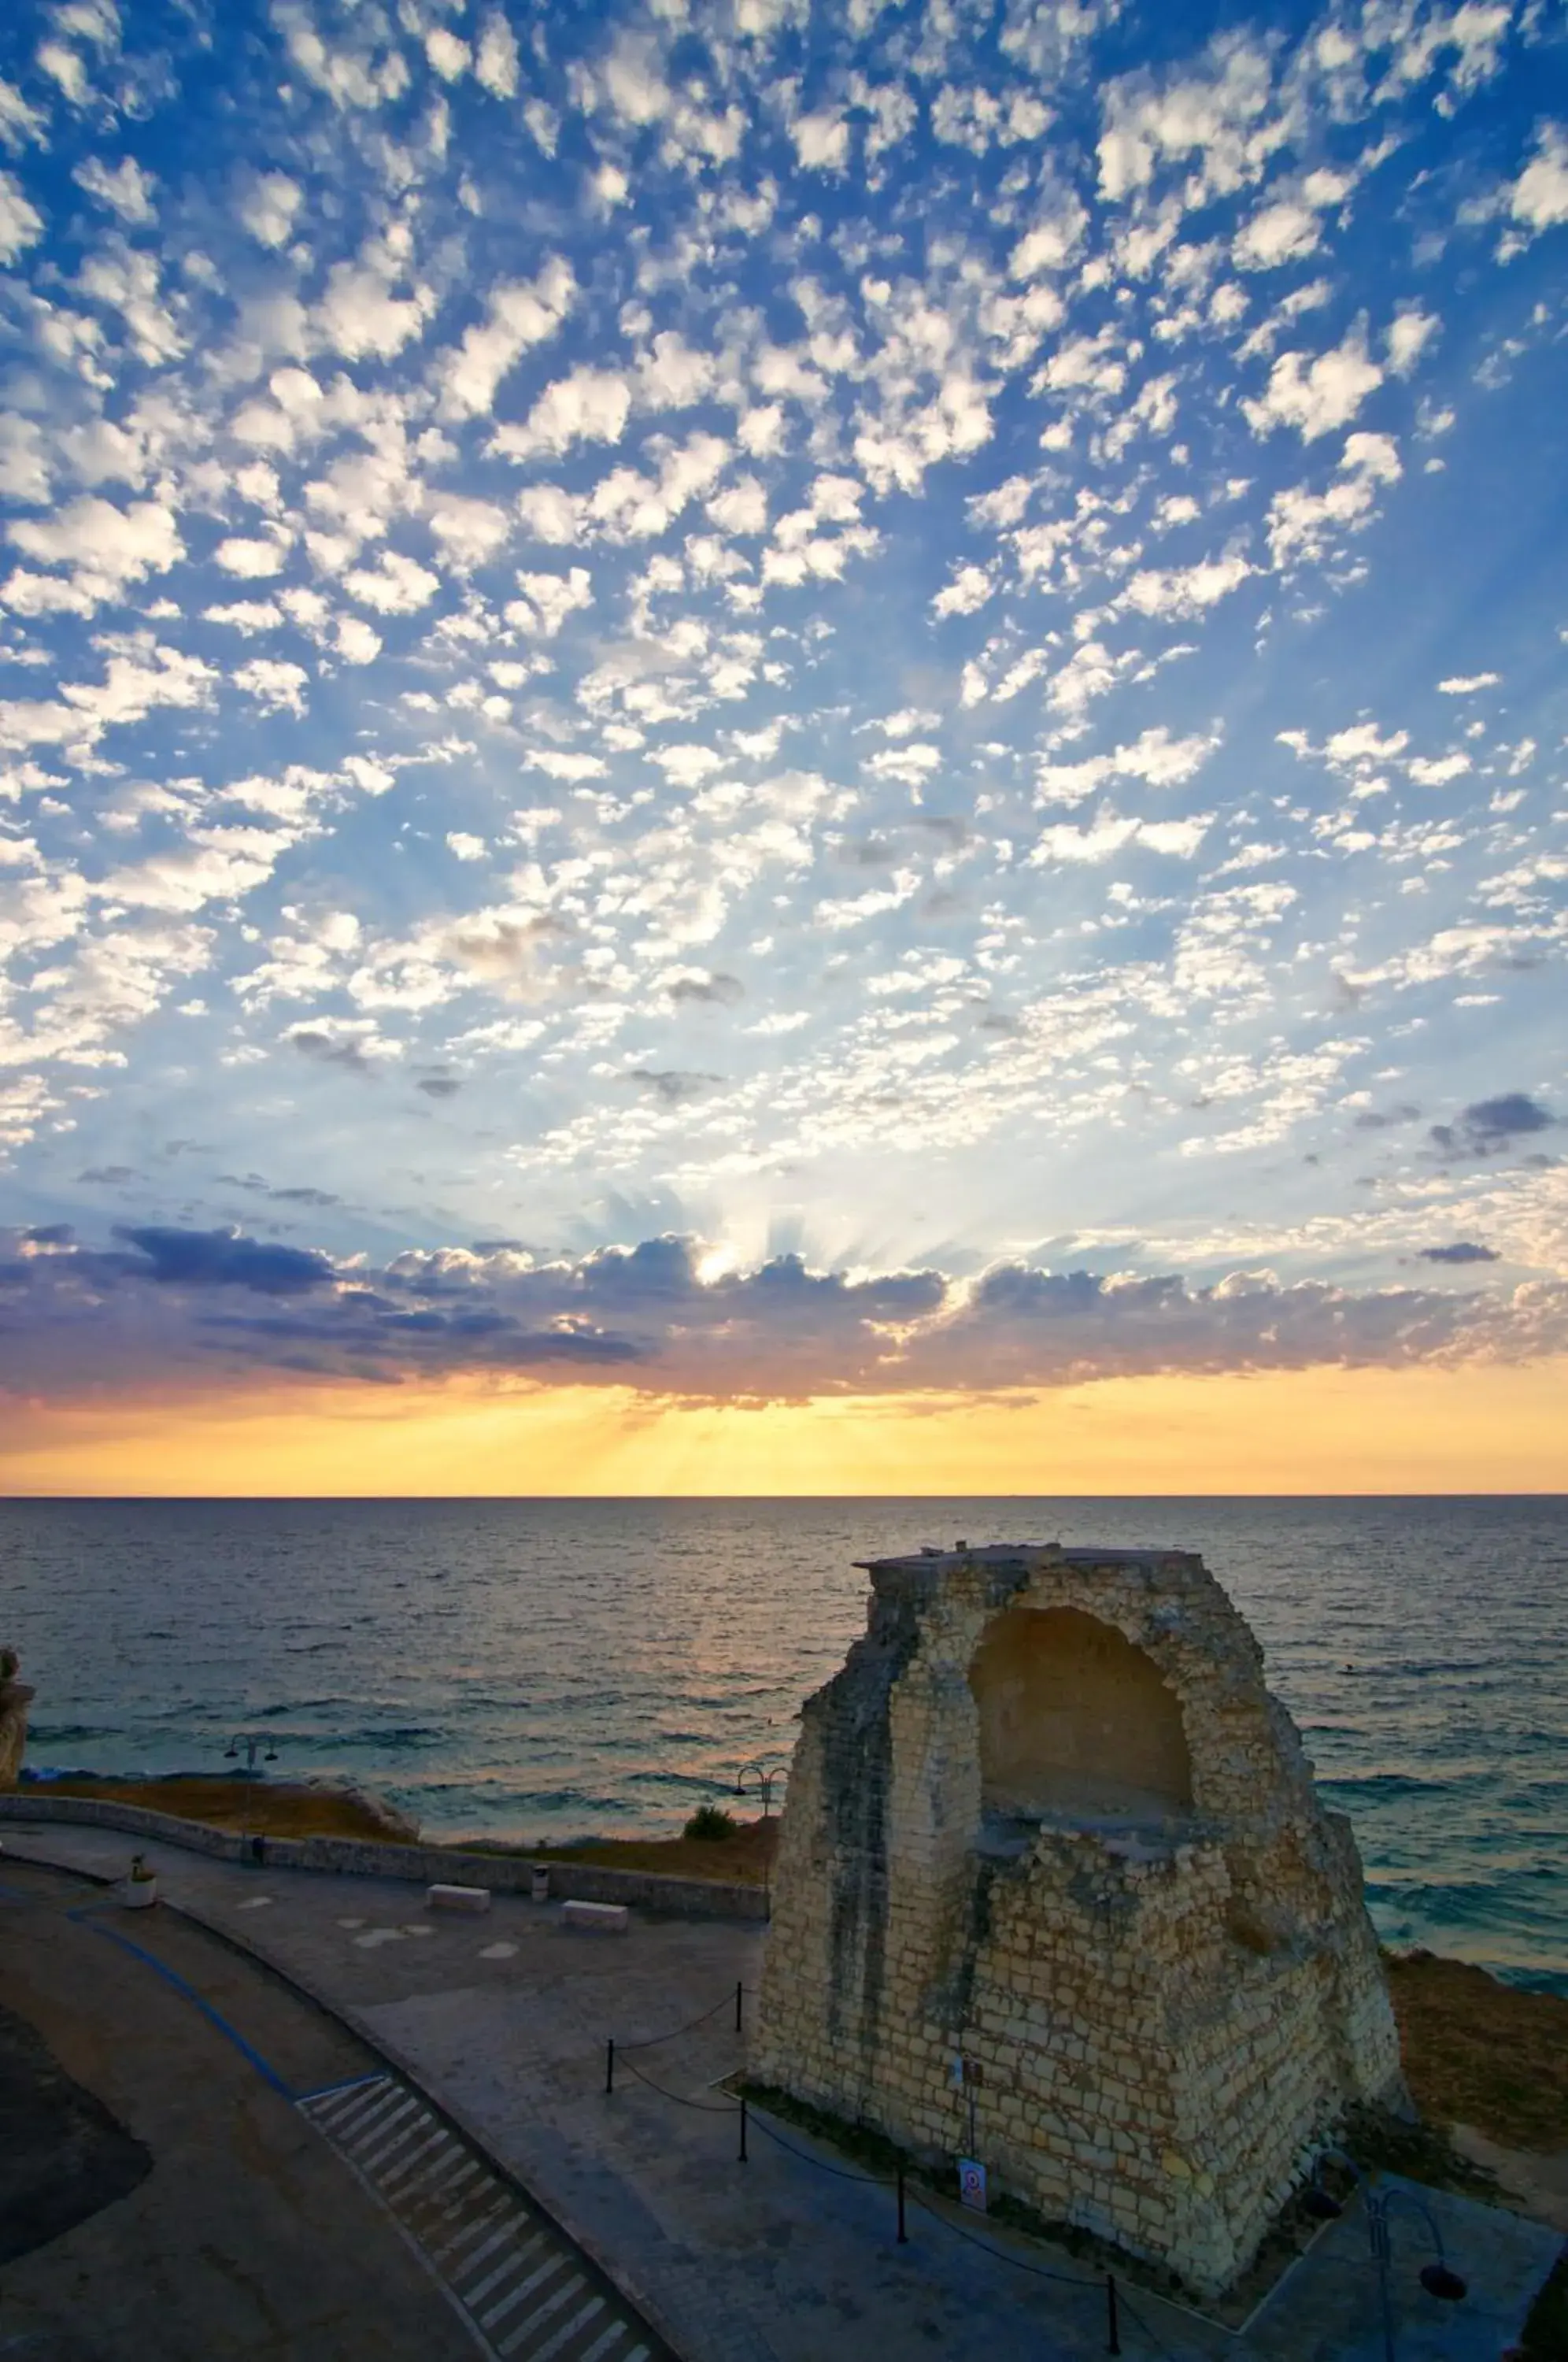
(576, 1881)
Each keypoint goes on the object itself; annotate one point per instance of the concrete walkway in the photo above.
(243, 2237)
(787, 2258)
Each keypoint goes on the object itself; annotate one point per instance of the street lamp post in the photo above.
(1437, 2278)
(765, 1774)
(253, 1742)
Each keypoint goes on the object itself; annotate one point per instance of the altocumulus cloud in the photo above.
(169, 1303)
(563, 667)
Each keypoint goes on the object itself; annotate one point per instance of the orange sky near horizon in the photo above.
(1473, 1429)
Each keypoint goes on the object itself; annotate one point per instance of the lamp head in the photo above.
(1438, 2280)
(230, 1751)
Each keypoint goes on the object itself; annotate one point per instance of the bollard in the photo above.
(903, 2235)
(743, 2160)
(739, 1990)
(1113, 2338)
(610, 2065)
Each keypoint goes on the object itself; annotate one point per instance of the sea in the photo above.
(547, 1670)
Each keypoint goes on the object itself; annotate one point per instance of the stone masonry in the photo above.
(1053, 1879)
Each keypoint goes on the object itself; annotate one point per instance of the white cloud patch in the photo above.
(1538, 198)
(1286, 232)
(362, 318)
(106, 550)
(822, 140)
(519, 315)
(1109, 833)
(269, 208)
(1155, 756)
(276, 687)
(1305, 527)
(251, 559)
(1186, 591)
(547, 599)
(967, 592)
(589, 406)
(394, 585)
(496, 64)
(469, 531)
(1316, 396)
(1410, 333)
(125, 188)
(21, 224)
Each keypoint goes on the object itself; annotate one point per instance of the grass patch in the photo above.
(260, 1807)
(1481, 2053)
(1380, 2142)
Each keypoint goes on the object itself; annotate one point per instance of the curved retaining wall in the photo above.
(575, 1882)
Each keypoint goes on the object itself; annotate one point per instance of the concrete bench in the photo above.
(457, 1898)
(603, 1919)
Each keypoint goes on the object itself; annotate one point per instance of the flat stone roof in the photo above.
(931, 1555)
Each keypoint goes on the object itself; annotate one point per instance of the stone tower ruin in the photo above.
(1053, 1878)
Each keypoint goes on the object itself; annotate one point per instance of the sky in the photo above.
(748, 747)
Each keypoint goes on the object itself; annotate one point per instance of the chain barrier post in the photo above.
(610, 2065)
(1113, 2334)
(903, 2235)
(743, 2160)
(740, 1989)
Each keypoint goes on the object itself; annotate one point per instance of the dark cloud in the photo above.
(304, 1196)
(439, 1086)
(80, 1317)
(658, 1268)
(50, 1234)
(331, 1050)
(1381, 1120)
(496, 1246)
(109, 1176)
(223, 1259)
(717, 991)
(672, 1084)
(1489, 1126)
(948, 830)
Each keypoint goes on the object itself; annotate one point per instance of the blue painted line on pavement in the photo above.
(268, 2073)
(349, 2084)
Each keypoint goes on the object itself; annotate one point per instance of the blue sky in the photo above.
(918, 651)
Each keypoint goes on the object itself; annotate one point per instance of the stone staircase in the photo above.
(526, 2292)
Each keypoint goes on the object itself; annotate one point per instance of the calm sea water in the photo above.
(552, 1668)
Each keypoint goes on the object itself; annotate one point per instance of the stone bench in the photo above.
(457, 1898)
(603, 1918)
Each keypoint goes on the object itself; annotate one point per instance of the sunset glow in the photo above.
(1317, 1430)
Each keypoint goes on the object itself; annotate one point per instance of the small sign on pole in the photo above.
(972, 2184)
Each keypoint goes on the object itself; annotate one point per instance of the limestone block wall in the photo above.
(1166, 1985)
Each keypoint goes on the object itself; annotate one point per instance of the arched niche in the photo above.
(1075, 1721)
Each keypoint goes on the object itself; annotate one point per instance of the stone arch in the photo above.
(1075, 1721)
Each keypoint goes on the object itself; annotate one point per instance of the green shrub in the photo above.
(710, 1821)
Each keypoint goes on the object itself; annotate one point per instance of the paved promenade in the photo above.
(505, 2019)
